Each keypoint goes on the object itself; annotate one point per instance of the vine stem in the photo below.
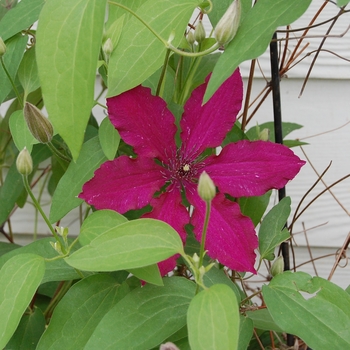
(204, 232)
(12, 83)
(38, 206)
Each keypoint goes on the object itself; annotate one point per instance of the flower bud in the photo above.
(206, 187)
(190, 38)
(227, 27)
(24, 162)
(39, 126)
(199, 32)
(2, 47)
(168, 346)
(264, 135)
(108, 47)
(277, 266)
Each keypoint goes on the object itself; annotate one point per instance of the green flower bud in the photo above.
(108, 47)
(2, 47)
(206, 188)
(264, 135)
(199, 32)
(38, 124)
(227, 27)
(24, 162)
(190, 38)
(277, 266)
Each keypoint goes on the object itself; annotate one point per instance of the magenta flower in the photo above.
(241, 169)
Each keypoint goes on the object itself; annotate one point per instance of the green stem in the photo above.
(57, 153)
(162, 74)
(12, 83)
(37, 205)
(204, 232)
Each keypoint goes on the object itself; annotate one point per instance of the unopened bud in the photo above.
(190, 38)
(277, 266)
(168, 346)
(206, 187)
(38, 124)
(24, 162)
(228, 25)
(199, 32)
(108, 47)
(2, 47)
(264, 135)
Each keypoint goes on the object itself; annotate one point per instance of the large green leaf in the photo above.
(145, 317)
(80, 311)
(254, 35)
(98, 223)
(149, 274)
(12, 58)
(342, 2)
(139, 52)
(245, 332)
(29, 331)
(262, 320)
(134, 244)
(20, 17)
(56, 270)
(19, 279)
(68, 43)
(322, 321)
(65, 197)
(213, 319)
(271, 232)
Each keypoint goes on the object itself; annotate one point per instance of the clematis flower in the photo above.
(162, 172)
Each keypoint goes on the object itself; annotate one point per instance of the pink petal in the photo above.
(123, 184)
(168, 208)
(168, 265)
(206, 126)
(231, 237)
(144, 122)
(252, 168)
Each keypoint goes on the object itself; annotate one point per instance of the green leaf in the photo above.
(65, 197)
(68, 43)
(149, 274)
(6, 6)
(287, 128)
(271, 232)
(341, 3)
(12, 58)
(28, 72)
(134, 244)
(254, 35)
(22, 137)
(29, 331)
(7, 247)
(213, 319)
(98, 223)
(80, 311)
(20, 17)
(139, 52)
(145, 317)
(56, 270)
(327, 310)
(216, 276)
(262, 320)
(19, 279)
(109, 138)
(245, 332)
(255, 207)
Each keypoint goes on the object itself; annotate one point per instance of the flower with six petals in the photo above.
(241, 169)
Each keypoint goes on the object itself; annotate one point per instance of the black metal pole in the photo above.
(277, 116)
